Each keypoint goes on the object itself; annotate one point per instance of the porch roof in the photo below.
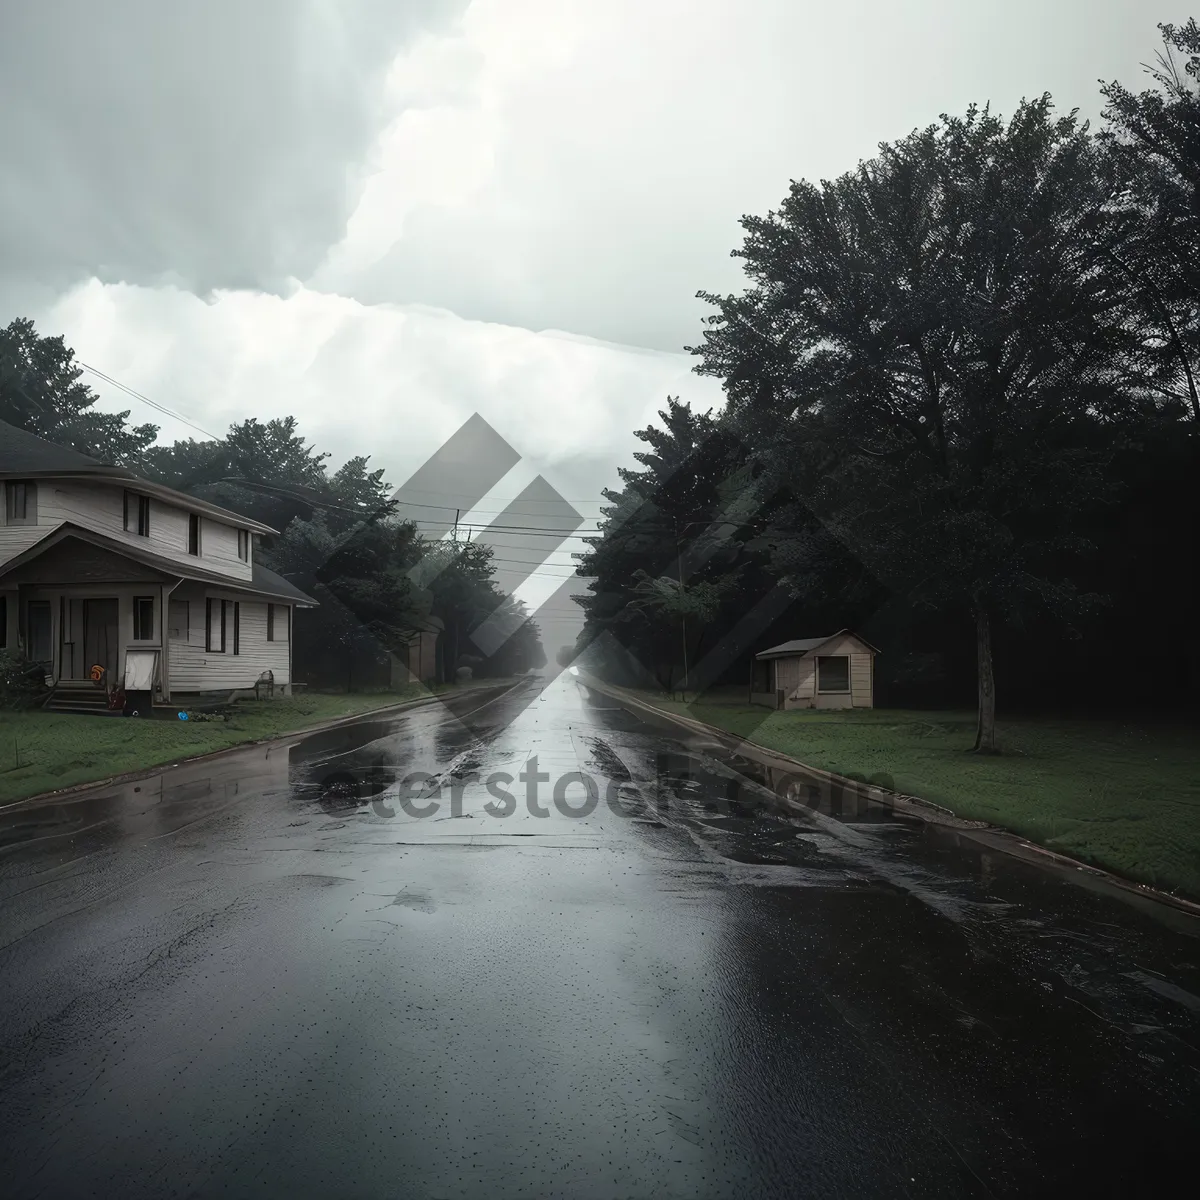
(262, 582)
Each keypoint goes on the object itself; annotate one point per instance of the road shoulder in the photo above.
(992, 836)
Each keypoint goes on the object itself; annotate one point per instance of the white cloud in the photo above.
(386, 380)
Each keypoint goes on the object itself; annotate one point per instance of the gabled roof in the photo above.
(802, 646)
(262, 582)
(25, 454)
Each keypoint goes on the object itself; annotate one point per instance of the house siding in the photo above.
(101, 506)
(194, 669)
(806, 678)
(860, 681)
(16, 539)
(786, 674)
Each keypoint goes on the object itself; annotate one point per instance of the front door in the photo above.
(100, 623)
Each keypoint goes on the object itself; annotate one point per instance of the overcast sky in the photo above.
(383, 216)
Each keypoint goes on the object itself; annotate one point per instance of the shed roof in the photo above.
(798, 647)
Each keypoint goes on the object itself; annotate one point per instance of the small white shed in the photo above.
(836, 671)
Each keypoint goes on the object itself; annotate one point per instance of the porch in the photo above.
(84, 635)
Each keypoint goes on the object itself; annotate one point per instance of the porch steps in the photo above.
(80, 698)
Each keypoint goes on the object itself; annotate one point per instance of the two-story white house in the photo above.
(96, 563)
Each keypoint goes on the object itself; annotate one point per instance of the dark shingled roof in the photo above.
(801, 646)
(267, 581)
(24, 452)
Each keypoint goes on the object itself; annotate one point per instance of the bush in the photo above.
(22, 683)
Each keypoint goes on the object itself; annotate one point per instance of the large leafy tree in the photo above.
(362, 579)
(457, 582)
(670, 570)
(268, 470)
(42, 390)
(928, 359)
(1154, 139)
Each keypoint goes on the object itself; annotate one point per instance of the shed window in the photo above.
(143, 618)
(244, 544)
(833, 673)
(20, 502)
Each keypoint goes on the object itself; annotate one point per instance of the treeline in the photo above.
(962, 417)
(379, 582)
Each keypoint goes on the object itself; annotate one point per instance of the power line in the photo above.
(549, 574)
(498, 499)
(527, 562)
(170, 412)
(483, 512)
(162, 408)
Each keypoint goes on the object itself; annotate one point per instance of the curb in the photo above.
(995, 837)
(159, 768)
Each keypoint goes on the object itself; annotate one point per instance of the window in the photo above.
(244, 545)
(178, 621)
(143, 618)
(194, 533)
(221, 618)
(833, 673)
(137, 514)
(278, 622)
(20, 502)
(214, 624)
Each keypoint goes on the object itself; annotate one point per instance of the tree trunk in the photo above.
(985, 732)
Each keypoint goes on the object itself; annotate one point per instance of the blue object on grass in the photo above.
(183, 716)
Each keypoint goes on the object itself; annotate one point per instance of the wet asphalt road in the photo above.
(245, 978)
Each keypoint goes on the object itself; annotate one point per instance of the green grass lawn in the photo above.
(41, 751)
(1117, 795)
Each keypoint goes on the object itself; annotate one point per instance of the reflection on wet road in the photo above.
(262, 975)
